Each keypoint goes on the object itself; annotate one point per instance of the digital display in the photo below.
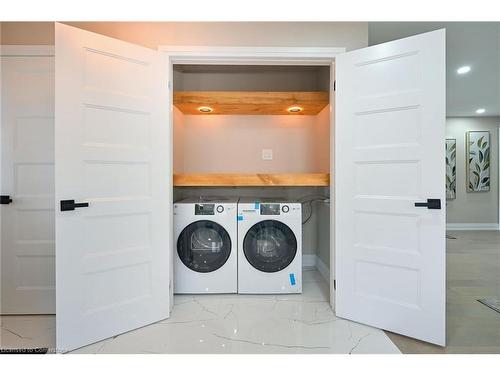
(204, 209)
(270, 209)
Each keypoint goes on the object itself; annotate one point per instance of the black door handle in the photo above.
(5, 199)
(70, 205)
(431, 204)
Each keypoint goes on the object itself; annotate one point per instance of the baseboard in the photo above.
(309, 260)
(472, 226)
(323, 269)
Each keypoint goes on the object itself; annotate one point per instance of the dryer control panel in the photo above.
(204, 209)
(212, 209)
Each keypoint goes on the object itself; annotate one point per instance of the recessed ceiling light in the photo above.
(480, 111)
(295, 109)
(205, 109)
(463, 69)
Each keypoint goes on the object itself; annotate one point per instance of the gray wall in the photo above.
(251, 78)
(479, 207)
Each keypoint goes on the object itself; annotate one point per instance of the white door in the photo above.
(389, 152)
(27, 155)
(112, 152)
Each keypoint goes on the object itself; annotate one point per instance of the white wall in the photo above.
(479, 207)
(351, 35)
(233, 144)
(178, 143)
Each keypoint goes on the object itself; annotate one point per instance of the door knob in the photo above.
(70, 205)
(431, 204)
(5, 199)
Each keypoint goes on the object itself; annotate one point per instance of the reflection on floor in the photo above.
(243, 324)
(473, 271)
(28, 331)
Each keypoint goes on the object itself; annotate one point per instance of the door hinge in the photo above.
(169, 85)
(334, 85)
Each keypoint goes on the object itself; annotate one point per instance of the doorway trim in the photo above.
(27, 50)
(217, 55)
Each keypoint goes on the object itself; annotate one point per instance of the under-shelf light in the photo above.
(205, 109)
(295, 109)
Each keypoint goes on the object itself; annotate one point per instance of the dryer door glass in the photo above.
(270, 246)
(204, 246)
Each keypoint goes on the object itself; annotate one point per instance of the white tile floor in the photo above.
(228, 324)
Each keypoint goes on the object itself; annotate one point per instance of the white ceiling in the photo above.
(467, 43)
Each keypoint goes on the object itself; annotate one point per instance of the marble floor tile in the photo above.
(303, 323)
(27, 331)
(252, 324)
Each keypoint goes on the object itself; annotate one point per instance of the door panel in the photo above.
(27, 154)
(112, 151)
(389, 152)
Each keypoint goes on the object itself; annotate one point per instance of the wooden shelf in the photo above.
(251, 102)
(252, 179)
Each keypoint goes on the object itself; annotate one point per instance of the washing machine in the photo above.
(269, 246)
(205, 234)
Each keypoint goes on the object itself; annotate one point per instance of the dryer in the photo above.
(269, 246)
(205, 233)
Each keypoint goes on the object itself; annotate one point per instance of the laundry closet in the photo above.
(89, 183)
(260, 132)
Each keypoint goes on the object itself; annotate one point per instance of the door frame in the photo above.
(7, 50)
(206, 55)
(25, 50)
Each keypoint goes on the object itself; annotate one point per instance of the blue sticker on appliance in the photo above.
(240, 217)
(292, 279)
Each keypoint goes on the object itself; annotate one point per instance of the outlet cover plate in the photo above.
(267, 154)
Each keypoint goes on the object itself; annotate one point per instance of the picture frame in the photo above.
(451, 168)
(478, 161)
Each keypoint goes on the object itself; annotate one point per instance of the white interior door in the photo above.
(112, 152)
(27, 154)
(390, 135)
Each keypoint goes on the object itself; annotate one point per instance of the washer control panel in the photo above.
(269, 208)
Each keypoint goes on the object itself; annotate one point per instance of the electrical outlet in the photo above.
(267, 154)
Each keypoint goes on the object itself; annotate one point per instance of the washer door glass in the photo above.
(270, 246)
(204, 246)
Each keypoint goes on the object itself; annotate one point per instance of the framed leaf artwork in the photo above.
(478, 161)
(451, 168)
